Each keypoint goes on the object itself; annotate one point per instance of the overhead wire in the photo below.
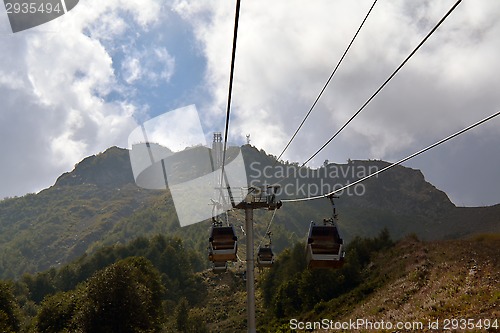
(385, 82)
(398, 162)
(327, 82)
(231, 76)
(267, 229)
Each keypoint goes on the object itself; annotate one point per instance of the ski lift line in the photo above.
(270, 222)
(231, 76)
(386, 81)
(398, 162)
(327, 82)
(379, 89)
(268, 229)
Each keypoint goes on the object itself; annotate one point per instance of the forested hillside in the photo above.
(150, 285)
(98, 204)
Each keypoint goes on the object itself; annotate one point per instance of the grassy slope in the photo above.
(413, 281)
(421, 281)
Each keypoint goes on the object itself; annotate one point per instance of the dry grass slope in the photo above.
(414, 281)
(435, 280)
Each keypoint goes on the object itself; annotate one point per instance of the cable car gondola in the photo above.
(219, 266)
(265, 256)
(324, 246)
(223, 244)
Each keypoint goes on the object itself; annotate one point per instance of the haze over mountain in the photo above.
(99, 204)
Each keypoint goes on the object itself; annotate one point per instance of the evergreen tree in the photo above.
(182, 316)
(123, 298)
(9, 309)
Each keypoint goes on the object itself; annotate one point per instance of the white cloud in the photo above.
(53, 84)
(149, 66)
(131, 70)
(287, 49)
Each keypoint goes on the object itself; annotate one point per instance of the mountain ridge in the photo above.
(99, 204)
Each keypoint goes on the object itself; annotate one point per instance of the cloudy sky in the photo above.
(81, 83)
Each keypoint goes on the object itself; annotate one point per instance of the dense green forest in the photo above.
(98, 204)
(123, 288)
(290, 289)
(149, 285)
(95, 246)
